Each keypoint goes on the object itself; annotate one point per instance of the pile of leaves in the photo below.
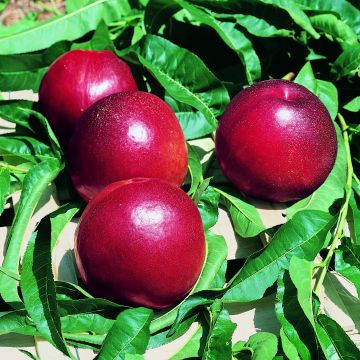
(196, 55)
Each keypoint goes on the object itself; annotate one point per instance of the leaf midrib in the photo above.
(274, 261)
(131, 338)
(237, 207)
(207, 109)
(354, 255)
(47, 307)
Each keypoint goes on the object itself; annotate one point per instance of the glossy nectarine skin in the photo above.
(76, 80)
(276, 141)
(140, 242)
(123, 136)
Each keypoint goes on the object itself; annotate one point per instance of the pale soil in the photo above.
(17, 9)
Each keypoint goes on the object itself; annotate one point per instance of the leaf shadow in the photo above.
(259, 313)
(67, 270)
(17, 341)
(349, 301)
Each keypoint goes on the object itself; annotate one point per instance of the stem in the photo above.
(356, 178)
(125, 20)
(289, 76)
(91, 339)
(13, 168)
(356, 131)
(33, 188)
(344, 209)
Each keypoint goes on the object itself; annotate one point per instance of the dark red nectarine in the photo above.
(276, 141)
(140, 242)
(76, 80)
(124, 136)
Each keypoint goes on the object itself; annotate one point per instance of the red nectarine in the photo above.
(140, 242)
(276, 141)
(124, 136)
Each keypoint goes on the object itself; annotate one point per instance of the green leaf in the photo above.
(17, 322)
(208, 206)
(244, 216)
(69, 291)
(60, 218)
(21, 113)
(72, 5)
(95, 322)
(314, 56)
(333, 27)
(324, 90)
(4, 187)
(301, 272)
(327, 93)
(194, 168)
(161, 338)
(25, 147)
(13, 111)
(38, 287)
(295, 13)
(331, 190)
(325, 343)
(194, 124)
(353, 105)
(263, 346)
(129, 335)
(347, 262)
(255, 26)
(288, 347)
(88, 305)
(354, 203)
(296, 327)
(10, 273)
(134, 357)
(100, 40)
(218, 343)
(25, 71)
(200, 298)
(67, 27)
(347, 12)
(215, 256)
(234, 38)
(89, 314)
(184, 76)
(44, 124)
(306, 78)
(194, 346)
(348, 63)
(88, 341)
(22, 80)
(302, 236)
(345, 348)
(158, 12)
(34, 184)
(220, 278)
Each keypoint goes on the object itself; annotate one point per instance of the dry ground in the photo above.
(17, 9)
